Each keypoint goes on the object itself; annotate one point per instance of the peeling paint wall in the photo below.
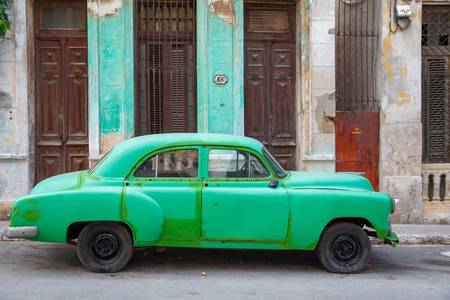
(317, 57)
(8, 88)
(15, 154)
(223, 9)
(104, 8)
(220, 51)
(221, 107)
(399, 88)
(111, 74)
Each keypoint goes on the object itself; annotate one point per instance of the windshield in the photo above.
(91, 170)
(275, 165)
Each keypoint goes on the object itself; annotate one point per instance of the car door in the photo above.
(171, 178)
(238, 203)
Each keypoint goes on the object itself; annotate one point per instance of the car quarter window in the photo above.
(171, 164)
(224, 163)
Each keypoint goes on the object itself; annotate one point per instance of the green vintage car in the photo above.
(205, 191)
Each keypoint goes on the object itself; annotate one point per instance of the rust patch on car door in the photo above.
(357, 143)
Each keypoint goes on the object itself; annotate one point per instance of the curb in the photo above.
(417, 240)
(3, 238)
(425, 240)
(409, 240)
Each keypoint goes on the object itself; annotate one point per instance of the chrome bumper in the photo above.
(24, 232)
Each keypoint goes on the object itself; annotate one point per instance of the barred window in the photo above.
(357, 35)
(435, 84)
(166, 66)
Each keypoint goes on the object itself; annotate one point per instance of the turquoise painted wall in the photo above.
(111, 76)
(220, 51)
(111, 71)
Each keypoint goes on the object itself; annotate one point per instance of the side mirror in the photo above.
(273, 184)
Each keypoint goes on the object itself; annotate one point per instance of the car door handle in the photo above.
(273, 184)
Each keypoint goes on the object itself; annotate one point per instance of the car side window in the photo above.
(171, 164)
(234, 164)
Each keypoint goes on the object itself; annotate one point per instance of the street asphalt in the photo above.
(32, 270)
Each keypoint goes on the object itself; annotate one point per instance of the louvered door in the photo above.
(166, 97)
(270, 78)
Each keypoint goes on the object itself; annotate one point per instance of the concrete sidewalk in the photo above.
(408, 234)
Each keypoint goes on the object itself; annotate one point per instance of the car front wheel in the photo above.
(104, 247)
(344, 248)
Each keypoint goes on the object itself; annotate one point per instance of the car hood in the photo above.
(61, 182)
(335, 181)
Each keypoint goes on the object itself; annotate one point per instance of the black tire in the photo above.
(104, 247)
(344, 248)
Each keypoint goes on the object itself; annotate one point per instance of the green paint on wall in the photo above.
(111, 78)
(220, 51)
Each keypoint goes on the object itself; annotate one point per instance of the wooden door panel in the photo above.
(270, 78)
(76, 92)
(285, 155)
(61, 89)
(49, 162)
(76, 158)
(49, 108)
(255, 82)
(48, 91)
(357, 143)
(282, 102)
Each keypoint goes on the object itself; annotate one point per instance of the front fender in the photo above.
(313, 209)
(143, 215)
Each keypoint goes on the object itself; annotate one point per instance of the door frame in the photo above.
(302, 80)
(32, 19)
(136, 121)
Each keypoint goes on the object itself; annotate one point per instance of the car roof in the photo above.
(124, 156)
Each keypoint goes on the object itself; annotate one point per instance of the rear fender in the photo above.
(143, 215)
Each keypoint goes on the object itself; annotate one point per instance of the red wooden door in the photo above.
(357, 143)
(270, 78)
(61, 87)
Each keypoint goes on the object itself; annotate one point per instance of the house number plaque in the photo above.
(220, 79)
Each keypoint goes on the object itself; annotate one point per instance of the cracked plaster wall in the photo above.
(220, 108)
(111, 74)
(15, 172)
(104, 8)
(321, 143)
(401, 129)
(223, 9)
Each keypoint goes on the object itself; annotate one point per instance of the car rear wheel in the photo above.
(104, 247)
(344, 248)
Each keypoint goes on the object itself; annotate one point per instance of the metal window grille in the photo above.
(357, 33)
(166, 66)
(435, 84)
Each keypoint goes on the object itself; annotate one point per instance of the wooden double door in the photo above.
(61, 87)
(270, 78)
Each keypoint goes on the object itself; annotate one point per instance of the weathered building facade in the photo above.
(326, 85)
